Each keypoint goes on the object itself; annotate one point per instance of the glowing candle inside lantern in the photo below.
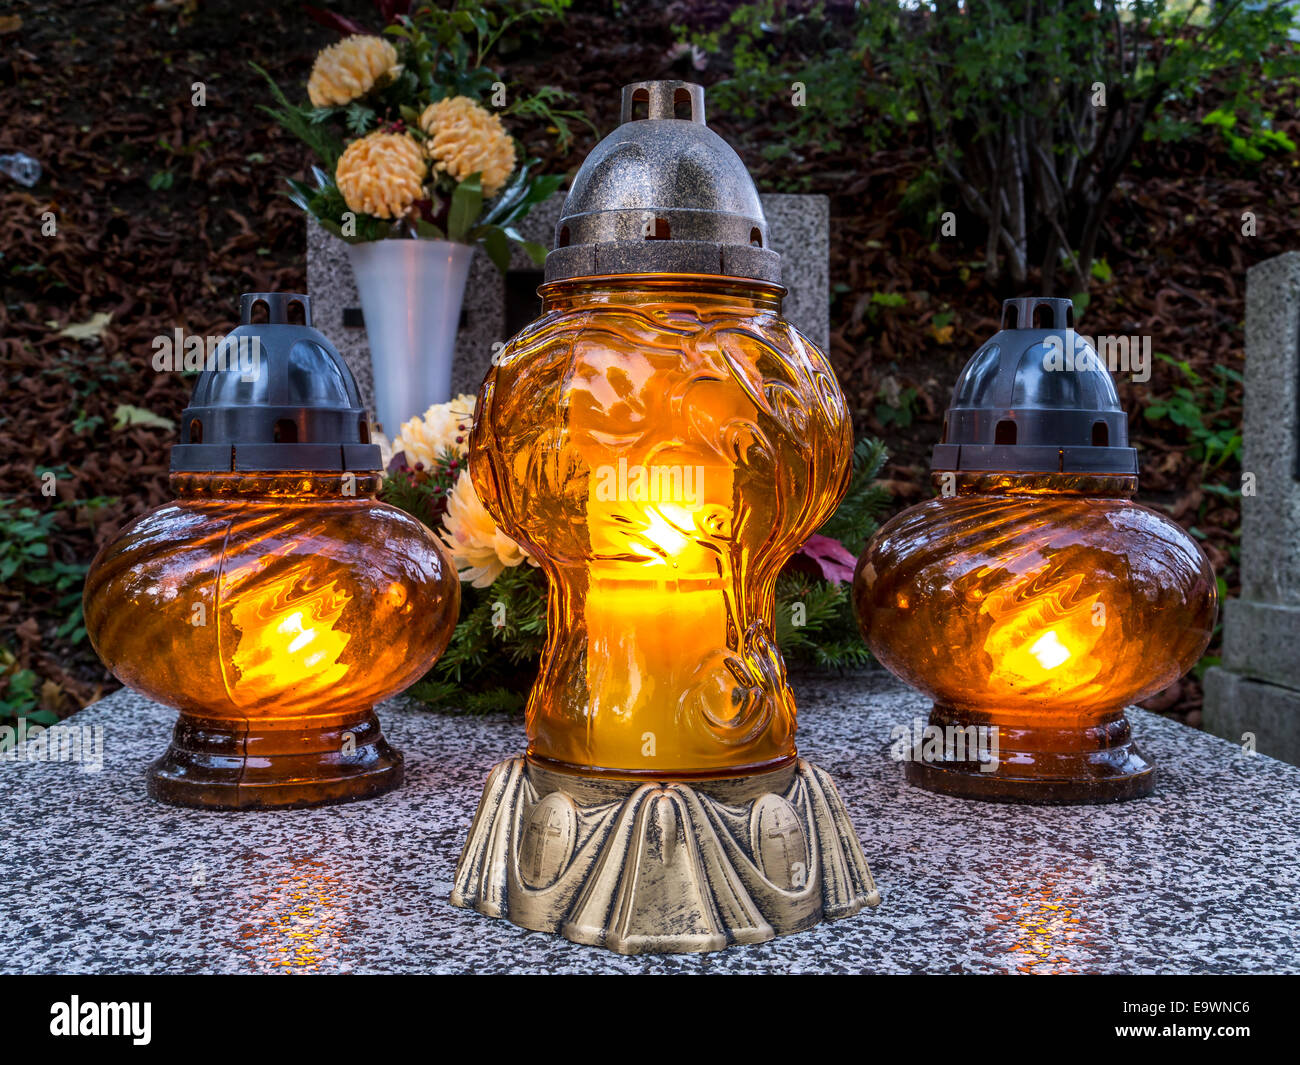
(705, 457)
(1033, 598)
(276, 600)
(658, 590)
(1043, 634)
(661, 442)
(287, 642)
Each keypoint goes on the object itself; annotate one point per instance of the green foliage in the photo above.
(1257, 140)
(19, 697)
(450, 697)
(26, 561)
(1200, 409)
(900, 413)
(829, 636)
(307, 124)
(888, 300)
(856, 517)
(760, 39)
(1007, 96)
(24, 539)
(499, 637)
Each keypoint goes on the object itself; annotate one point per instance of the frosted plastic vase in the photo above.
(411, 292)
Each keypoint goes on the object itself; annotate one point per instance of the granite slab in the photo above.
(1202, 877)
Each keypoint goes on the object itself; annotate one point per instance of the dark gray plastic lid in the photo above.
(1035, 400)
(278, 397)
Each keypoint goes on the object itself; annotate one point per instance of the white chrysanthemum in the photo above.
(479, 550)
(425, 438)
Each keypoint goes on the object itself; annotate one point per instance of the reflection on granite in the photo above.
(1201, 877)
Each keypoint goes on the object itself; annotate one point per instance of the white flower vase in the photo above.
(411, 292)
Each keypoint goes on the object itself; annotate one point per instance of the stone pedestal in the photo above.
(96, 877)
(497, 307)
(1256, 691)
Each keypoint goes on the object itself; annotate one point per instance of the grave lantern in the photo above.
(661, 441)
(276, 601)
(1033, 600)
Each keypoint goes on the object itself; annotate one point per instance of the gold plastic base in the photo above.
(663, 866)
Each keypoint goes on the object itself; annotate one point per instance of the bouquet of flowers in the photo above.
(407, 127)
(494, 653)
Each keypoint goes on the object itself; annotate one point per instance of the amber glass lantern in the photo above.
(275, 601)
(661, 441)
(1033, 600)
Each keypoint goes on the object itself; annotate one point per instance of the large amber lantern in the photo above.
(661, 440)
(275, 601)
(1033, 600)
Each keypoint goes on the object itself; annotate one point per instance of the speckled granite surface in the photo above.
(1201, 877)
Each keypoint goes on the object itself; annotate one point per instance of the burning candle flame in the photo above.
(287, 642)
(1042, 633)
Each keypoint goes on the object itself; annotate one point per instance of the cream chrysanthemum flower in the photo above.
(348, 70)
(444, 425)
(465, 139)
(479, 550)
(382, 174)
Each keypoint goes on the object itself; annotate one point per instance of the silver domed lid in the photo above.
(663, 193)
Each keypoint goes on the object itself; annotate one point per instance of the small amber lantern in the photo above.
(661, 440)
(276, 601)
(1033, 600)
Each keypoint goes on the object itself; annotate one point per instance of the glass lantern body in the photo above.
(273, 610)
(661, 444)
(1040, 605)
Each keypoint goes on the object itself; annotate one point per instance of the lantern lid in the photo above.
(1036, 398)
(275, 396)
(663, 193)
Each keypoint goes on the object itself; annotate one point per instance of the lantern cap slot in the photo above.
(1035, 398)
(663, 193)
(275, 396)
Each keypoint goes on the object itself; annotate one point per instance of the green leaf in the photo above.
(359, 118)
(497, 246)
(466, 204)
(428, 230)
(125, 415)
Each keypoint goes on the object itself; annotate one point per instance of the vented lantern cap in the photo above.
(1036, 398)
(275, 397)
(663, 193)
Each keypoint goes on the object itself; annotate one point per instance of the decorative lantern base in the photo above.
(336, 759)
(1093, 763)
(662, 866)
